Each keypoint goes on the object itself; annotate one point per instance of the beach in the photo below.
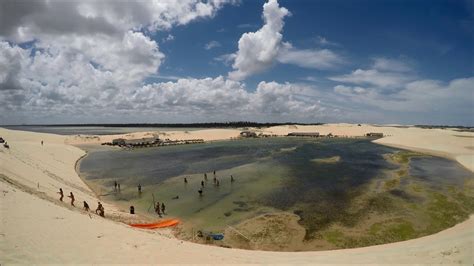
(38, 228)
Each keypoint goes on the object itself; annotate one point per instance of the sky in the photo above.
(358, 61)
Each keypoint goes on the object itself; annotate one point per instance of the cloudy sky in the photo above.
(408, 62)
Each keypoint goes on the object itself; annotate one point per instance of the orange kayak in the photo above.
(165, 223)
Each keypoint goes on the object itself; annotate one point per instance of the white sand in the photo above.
(36, 228)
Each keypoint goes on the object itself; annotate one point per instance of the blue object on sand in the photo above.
(217, 236)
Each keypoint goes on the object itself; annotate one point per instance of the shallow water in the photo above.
(271, 175)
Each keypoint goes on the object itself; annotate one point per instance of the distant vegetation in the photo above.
(183, 125)
(457, 128)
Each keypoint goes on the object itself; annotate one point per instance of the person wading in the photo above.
(163, 208)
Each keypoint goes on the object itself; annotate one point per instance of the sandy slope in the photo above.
(36, 227)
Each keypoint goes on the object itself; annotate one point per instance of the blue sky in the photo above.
(433, 36)
(407, 62)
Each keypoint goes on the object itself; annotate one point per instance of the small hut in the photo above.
(119, 142)
(248, 134)
(374, 134)
(304, 134)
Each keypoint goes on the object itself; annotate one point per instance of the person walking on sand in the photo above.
(72, 198)
(61, 193)
(99, 207)
(41, 143)
(163, 207)
(202, 183)
(185, 180)
(86, 206)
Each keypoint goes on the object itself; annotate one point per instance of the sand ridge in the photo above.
(36, 227)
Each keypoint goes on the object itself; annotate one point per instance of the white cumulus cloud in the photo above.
(257, 50)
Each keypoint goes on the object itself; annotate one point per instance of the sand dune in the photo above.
(37, 228)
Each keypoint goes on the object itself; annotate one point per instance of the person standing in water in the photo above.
(139, 189)
(202, 183)
(205, 177)
(61, 194)
(72, 198)
(163, 207)
(157, 209)
(200, 192)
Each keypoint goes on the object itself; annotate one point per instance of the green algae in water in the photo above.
(340, 202)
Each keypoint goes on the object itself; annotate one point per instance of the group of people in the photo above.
(203, 182)
(160, 209)
(117, 187)
(100, 209)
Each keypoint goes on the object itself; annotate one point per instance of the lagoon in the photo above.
(329, 193)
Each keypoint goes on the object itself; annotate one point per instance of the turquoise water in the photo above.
(271, 175)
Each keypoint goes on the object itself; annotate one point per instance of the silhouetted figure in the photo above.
(41, 143)
(132, 210)
(86, 206)
(214, 173)
(163, 208)
(72, 198)
(205, 176)
(202, 183)
(231, 179)
(115, 185)
(200, 192)
(185, 180)
(118, 185)
(157, 209)
(214, 180)
(61, 194)
(100, 209)
(217, 182)
(139, 189)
